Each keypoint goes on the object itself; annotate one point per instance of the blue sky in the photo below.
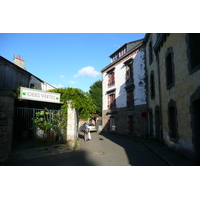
(65, 59)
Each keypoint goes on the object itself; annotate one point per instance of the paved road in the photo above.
(102, 150)
(109, 150)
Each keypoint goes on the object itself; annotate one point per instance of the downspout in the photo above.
(160, 100)
(147, 85)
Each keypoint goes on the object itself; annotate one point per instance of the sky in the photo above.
(65, 59)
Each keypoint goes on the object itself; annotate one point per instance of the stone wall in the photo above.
(6, 121)
(72, 126)
(185, 85)
(121, 116)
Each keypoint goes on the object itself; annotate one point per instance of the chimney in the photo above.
(19, 62)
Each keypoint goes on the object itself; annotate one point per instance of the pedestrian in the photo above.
(86, 131)
(89, 135)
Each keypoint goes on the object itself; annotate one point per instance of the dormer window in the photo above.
(118, 54)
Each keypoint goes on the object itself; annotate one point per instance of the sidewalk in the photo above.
(31, 153)
(169, 156)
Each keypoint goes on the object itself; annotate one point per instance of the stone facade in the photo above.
(174, 85)
(6, 121)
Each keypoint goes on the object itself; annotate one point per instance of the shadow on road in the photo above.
(137, 154)
(74, 158)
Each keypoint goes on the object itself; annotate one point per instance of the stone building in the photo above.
(12, 76)
(124, 91)
(173, 63)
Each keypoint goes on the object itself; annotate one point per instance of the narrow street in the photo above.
(110, 150)
(102, 150)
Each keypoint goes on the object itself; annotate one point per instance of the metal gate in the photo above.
(37, 127)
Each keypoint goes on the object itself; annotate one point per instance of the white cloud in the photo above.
(59, 86)
(72, 82)
(87, 71)
(62, 76)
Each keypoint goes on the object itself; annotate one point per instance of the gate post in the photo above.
(6, 121)
(71, 126)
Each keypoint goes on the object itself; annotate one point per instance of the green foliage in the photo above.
(54, 121)
(43, 121)
(96, 94)
(80, 100)
(17, 91)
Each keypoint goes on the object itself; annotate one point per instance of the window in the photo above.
(130, 100)
(152, 85)
(129, 70)
(112, 126)
(32, 85)
(170, 77)
(172, 120)
(193, 41)
(150, 53)
(111, 79)
(129, 73)
(111, 101)
(122, 52)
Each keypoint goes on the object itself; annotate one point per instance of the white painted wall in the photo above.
(71, 126)
(120, 71)
(40, 85)
(139, 77)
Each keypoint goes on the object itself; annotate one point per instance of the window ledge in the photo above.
(130, 108)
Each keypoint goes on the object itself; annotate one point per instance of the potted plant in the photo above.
(43, 121)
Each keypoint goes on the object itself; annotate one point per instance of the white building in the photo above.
(39, 84)
(124, 91)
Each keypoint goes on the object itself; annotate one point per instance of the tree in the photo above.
(80, 100)
(96, 94)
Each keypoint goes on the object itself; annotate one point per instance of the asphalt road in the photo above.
(102, 150)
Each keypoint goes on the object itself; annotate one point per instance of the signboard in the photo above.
(39, 95)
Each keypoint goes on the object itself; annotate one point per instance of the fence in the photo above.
(34, 127)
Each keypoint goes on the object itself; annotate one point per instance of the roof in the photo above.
(139, 43)
(136, 43)
(22, 69)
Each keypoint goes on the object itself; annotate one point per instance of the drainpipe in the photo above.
(160, 100)
(147, 86)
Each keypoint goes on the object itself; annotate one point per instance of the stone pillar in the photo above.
(71, 126)
(6, 121)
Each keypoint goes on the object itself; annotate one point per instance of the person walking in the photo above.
(86, 130)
